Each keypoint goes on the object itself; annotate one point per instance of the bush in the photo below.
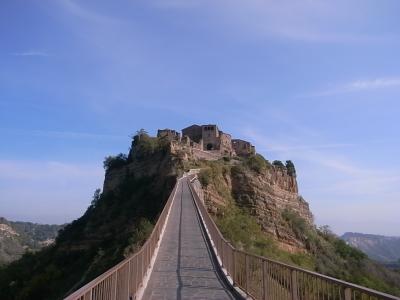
(297, 223)
(278, 163)
(290, 168)
(257, 163)
(144, 145)
(205, 176)
(114, 162)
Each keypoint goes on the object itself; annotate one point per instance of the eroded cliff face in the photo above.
(266, 195)
(159, 163)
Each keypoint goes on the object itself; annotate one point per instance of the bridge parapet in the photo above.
(126, 279)
(262, 278)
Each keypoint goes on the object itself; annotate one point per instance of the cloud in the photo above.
(308, 21)
(347, 176)
(76, 135)
(86, 13)
(287, 148)
(373, 84)
(342, 193)
(359, 86)
(46, 191)
(54, 170)
(66, 134)
(31, 53)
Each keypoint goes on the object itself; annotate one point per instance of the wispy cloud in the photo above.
(51, 170)
(47, 191)
(358, 86)
(350, 176)
(309, 152)
(342, 192)
(31, 53)
(85, 13)
(287, 148)
(309, 21)
(373, 84)
(66, 134)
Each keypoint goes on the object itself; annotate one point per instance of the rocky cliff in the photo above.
(266, 191)
(268, 195)
(257, 207)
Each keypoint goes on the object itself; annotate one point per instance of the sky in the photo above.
(316, 82)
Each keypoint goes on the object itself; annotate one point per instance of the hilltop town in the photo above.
(206, 142)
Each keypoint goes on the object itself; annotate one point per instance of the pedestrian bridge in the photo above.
(186, 257)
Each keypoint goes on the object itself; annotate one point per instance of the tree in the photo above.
(290, 168)
(111, 162)
(96, 197)
(141, 132)
(278, 163)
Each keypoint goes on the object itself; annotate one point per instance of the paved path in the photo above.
(184, 268)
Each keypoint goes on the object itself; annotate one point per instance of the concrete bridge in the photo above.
(186, 257)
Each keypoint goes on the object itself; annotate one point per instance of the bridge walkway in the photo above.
(184, 267)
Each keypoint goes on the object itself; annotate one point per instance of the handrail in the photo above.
(263, 278)
(124, 280)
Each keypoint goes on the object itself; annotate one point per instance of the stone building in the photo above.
(210, 138)
(194, 132)
(243, 148)
(169, 134)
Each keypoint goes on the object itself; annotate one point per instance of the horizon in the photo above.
(313, 82)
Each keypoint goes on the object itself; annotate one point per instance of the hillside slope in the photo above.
(257, 207)
(16, 238)
(385, 249)
(116, 223)
(255, 204)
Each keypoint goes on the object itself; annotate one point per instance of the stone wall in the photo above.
(211, 138)
(243, 148)
(194, 132)
(169, 134)
(225, 146)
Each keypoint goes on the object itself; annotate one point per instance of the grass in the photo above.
(324, 251)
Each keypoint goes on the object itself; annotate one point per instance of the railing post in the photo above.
(234, 266)
(129, 278)
(116, 284)
(295, 295)
(246, 271)
(263, 279)
(222, 253)
(347, 294)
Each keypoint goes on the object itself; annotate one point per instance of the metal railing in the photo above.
(124, 280)
(266, 279)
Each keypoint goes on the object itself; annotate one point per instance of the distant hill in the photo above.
(381, 248)
(18, 237)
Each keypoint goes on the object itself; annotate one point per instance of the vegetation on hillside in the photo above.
(324, 251)
(114, 225)
(28, 237)
(385, 249)
(118, 222)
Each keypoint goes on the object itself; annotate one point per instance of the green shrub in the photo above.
(115, 162)
(278, 163)
(290, 168)
(205, 176)
(257, 163)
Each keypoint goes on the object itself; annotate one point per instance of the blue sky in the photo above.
(317, 82)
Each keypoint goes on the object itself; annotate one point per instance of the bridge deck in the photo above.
(184, 267)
